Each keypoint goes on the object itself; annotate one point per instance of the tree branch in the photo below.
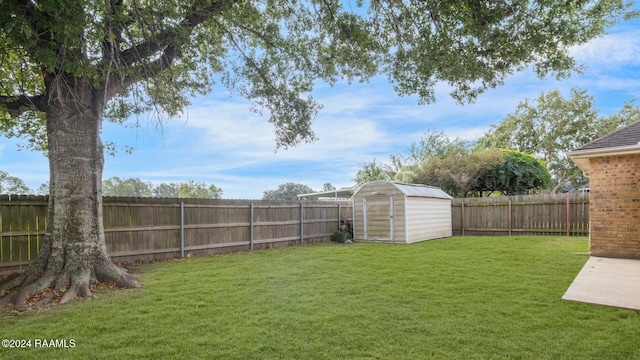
(16, 105)
(32, 15)
(161, 40)
(161, 46)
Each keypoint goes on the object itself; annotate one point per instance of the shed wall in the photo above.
(615, 206)
(428, 218)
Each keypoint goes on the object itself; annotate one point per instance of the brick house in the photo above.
(611, 276)
(612, 163)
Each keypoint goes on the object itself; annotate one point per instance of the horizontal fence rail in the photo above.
(550, 214)
(147, 229)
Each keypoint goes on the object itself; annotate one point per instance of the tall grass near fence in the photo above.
(549, 214)
(150, 229)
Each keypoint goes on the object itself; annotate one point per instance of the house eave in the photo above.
(582, 157)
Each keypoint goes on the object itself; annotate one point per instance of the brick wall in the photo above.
(615, 206)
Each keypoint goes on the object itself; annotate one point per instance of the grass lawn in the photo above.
(455, 298)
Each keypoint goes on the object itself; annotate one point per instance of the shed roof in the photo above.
(625, 140)
(416, 190)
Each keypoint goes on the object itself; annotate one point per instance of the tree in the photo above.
(198, 190)
(431, 144)
(128, 187)
(328, 187)
(65, 68)
(455, 171)
(517, 173)
(43, 189)
(12, 185)
(551, 126)
(138, 188)
(288, 191)
(461, 170)
(166, 190)
(372, 171)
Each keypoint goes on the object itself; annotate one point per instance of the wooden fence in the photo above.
(552, 214)
(145, 229)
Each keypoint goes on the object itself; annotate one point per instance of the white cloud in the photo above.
(616, 49)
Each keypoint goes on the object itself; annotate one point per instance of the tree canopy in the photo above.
(517, 173)
(287, 191)
(12, 185)
(116, 186)
(151, 57)
(372, 171)
(463, 171)
(551, 125)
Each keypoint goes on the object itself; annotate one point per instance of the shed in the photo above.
(387, 211)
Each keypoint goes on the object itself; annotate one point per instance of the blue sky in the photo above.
(220, 141)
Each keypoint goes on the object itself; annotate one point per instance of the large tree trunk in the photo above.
(74, 253)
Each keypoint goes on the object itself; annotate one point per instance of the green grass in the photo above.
(455, 298)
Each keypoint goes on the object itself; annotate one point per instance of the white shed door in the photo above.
(378, 218)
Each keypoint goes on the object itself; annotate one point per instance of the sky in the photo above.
(220, 141)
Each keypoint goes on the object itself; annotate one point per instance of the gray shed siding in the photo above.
(418, 212)
(428, 218)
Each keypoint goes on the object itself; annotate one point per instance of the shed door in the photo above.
(378, 218)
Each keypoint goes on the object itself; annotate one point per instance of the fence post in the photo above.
(181, 229)
(568, 217)
(510, 215)
(301, 223)
(462, 215)
(251, 228)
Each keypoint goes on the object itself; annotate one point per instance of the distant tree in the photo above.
(372, 171)
(198, 190)
(629, 113)
(166, 190)
(551, 125)
(128, 187)
(138, 188)
(456, 171)
(463, 171)
(288, 191)
(43, 189)
(12, 185)
(517, 173)
(328, 187)
(433, 143)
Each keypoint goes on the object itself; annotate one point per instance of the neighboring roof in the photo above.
(416, 190)
(625, 140)
(339, 193)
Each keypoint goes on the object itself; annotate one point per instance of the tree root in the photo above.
(59, 285)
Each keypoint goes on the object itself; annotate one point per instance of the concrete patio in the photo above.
(609, 282)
